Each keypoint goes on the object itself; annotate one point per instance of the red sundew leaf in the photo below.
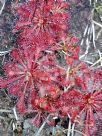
(20, 25)
(13, 69)
(79, 82)
(24, 14)
(76, 52)
(98, 101)
(58, 6)
(90, 125)
(32, 94)
(26, 68)
(71, 94)
(69, 110)
(83, 67)
(42, 76)
(22, 10)
(92, 104)
(14, 90)
(98, 74)
(89, 101)
(43, 104)
(29, 32)
(63, 4)
(52, 108)
(45, 43)
(28, 57)
(54, 93)
(3, 83)
(17, 56)
(36, 17)
(70, 49)
(33, 101)
(21, 105)
(73, 40)
(96, 93)
(70, 61)
(98, 98)
(97, 106)
(44, 89)
(57, 28)
(48, 61)
(69, 104)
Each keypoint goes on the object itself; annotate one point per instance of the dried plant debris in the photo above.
(50, 67)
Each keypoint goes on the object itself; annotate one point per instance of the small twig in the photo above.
(90, 2)
(96, 23)
(40, 129)
(89, 62)
(4, 52)
(85, 32)
(99, 60)
(99, 33)
(3, 5)
(69, 126)
(95, 63)
(73, 126)
(93, 30)
(67, 73)
(9, 125)
(87, 50)
(64, 52)
(100, 57)
(15, 113)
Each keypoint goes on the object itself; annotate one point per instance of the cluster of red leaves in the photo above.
(41, 18)
(44, 83)
(84, 102)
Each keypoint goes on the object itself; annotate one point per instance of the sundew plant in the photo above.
(44, 71)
